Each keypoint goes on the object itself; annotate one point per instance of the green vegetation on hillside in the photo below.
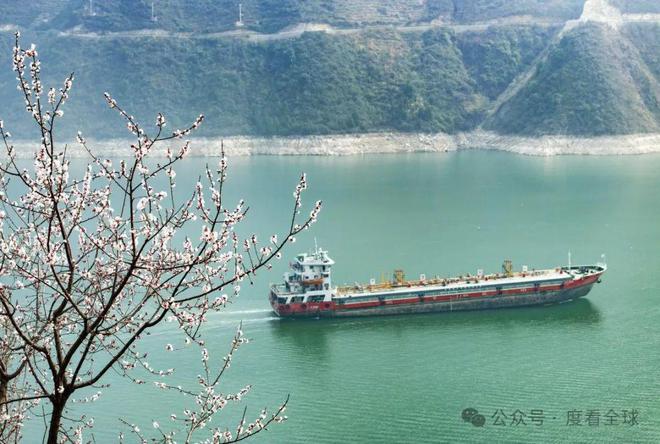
(203, 16)
(316, 84)
(494, 57)
(37, 14)
(637, 6)
(646, 38)
(477, 10)
(594, 82)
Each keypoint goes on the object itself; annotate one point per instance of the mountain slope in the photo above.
(593, 82)
(316, 84)
(646, 38)
(527, 67)
(202, 16)
(637, 6)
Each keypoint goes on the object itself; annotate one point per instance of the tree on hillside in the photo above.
(89, 265)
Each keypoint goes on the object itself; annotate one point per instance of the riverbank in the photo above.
(386, 143)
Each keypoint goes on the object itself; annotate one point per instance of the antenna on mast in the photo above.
(239, 23)
(316, 247)
(153, 13)
(569, 260)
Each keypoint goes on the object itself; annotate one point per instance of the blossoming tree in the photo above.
(89, 265)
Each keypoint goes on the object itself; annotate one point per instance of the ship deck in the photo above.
(458, 284)
(461, 282)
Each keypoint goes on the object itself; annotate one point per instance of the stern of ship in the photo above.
(307, 289)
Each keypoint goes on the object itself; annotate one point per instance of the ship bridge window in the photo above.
(318, 298)
(281, 300)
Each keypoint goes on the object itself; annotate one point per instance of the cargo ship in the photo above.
(307, 290)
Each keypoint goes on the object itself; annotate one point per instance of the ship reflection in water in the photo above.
(312, 336)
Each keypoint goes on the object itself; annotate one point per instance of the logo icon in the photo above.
(472, 416)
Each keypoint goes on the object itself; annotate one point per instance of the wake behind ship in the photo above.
(307, 290)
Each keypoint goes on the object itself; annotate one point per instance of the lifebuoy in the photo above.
(326, 305)
(303, 306)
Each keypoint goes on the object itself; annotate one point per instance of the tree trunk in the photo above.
(4, 380)
(4, 426)
(55, 421)
(3, 394)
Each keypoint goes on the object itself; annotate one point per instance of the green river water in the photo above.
(408, 378)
